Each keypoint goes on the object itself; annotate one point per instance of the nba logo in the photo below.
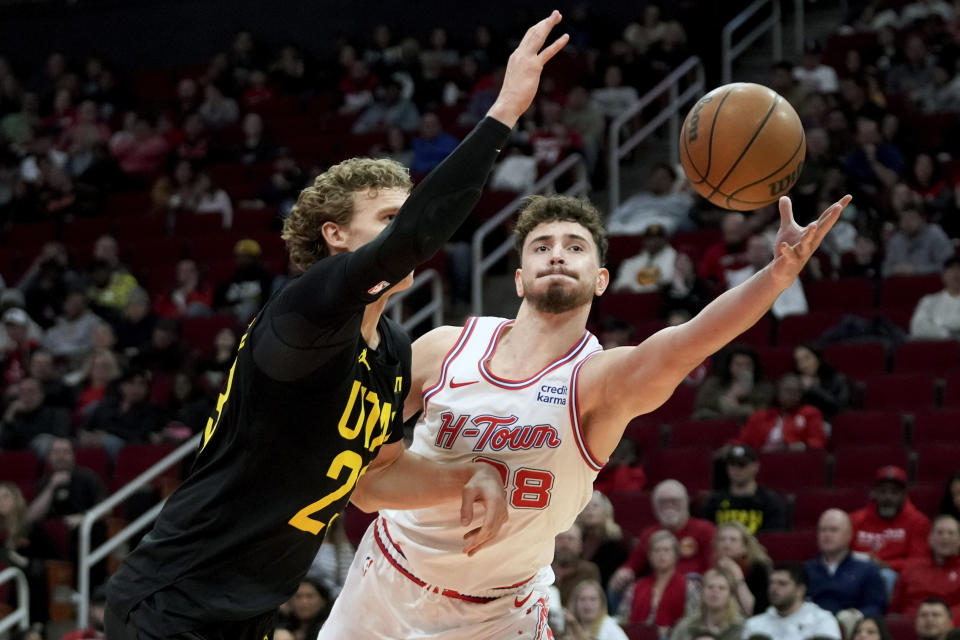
(366, 564)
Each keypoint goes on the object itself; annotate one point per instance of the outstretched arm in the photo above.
(628, 381)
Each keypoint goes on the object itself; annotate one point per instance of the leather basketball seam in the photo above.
(766, 118)
(803, 139)
(713, 127)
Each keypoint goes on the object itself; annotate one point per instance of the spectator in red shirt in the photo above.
(890, 528)
(936, 575)
(140, 154)
(622, 471)
(671, 506)
(726, 255)
(660, 597)
(789, 425)
(190, 296)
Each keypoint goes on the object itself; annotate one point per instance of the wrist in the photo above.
(503, 114)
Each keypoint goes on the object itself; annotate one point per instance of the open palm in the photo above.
(795, 244)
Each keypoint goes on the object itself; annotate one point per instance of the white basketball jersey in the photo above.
(530, 431)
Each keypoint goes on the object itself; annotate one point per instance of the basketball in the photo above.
(742, 146)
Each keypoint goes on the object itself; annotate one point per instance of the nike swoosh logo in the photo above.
(454, 385)
(519, 603)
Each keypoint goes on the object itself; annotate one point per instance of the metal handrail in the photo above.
(21, 615)
(798, 35)
(729, 52)
(482, 264)
(89, 557)
(433, 309)
(671, 112)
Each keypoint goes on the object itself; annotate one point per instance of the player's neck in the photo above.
(536, 339)
(371, 318)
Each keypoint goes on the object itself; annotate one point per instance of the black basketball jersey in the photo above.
(277, 464)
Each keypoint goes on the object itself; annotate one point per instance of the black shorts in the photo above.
(144, 623)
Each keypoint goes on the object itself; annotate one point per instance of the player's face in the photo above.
(560, 268)
(372, 212)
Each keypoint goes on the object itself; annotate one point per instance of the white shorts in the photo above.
(382, 600)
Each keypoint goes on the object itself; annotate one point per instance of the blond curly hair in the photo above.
(331, 198)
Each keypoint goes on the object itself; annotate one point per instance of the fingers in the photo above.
(552, 50)
(477, 538)
(466, 506)
(786, 212)
(537, 34)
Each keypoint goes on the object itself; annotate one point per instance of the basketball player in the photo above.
(537, 399)
(313, 401)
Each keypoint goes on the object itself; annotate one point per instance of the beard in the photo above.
(559, 299)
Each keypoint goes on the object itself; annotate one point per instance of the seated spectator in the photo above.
(165, 352)
(823, 386)
(790, 617)
(357, 87)
(569, 566)
(101, 369)
(616, 332)
(726, 255)
(873, 165)
(395, 147)
(815, 76)
(661, 203)
(950, 502)
(918, 247)
(213, 200)
(29, 422)
(745, 501)
(759, 254)
(932, 576)
(124, 417)
(25, 544)
(255, 147)
(614, 97)
(551, 140)
(890, 529)
(847, 586)
(390, 109)
(66, 492)
(194, 143)
(43, 369)
(863, 261)
(284, 185)
(141, 152)
(19, 344)
(189, 298)
(309, 608)
(602, 537)
(135, 326)
(188, 408)
(736, 390)
(46, 282)
(109, 288)
(871, 628)
(937, 315)
(650, 269)
(660, 598)
(257, 94)
(432, 145)
(686, 291)
(214, 370)
(671, 507)
(72, 337)
(933, 620)
(586, 614)
(914, 71)
(787, 85)
(788, 425)
(248, 287)
(718, 615)
(217, 110)
(737, 553)
(582, 115)
(333, 560)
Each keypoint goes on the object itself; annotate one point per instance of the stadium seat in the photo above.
(355, 523)
(694, 243)
(632, 307)
(759, 335)
(860, 360)
(951, 390)
(205, 225)
(790, 471)
(712, 434)
(678, 406)
(633, 510)
(777, 361)
(806, 328)
(810, 503)
(858, 428)
(691, 466)
(935, 462)
(95, 459)
(905, 392)
(926, 497)
(844, 294)
(902, 627)
(620, 248)
(938, 357)
(790, 546)
(936, 425)
(135, 459)
(857, 466)
(646, 433)
(21, 468)
(642, 631)
(904, 292)
(200, 332)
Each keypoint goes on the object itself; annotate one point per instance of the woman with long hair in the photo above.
(823, 386)
(586, 614)
(871, 628)
(602, 537)
(718, 614)
(660, 597)
(24, 544)
(737, 552)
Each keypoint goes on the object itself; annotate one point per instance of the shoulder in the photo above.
(859, 516)
(700, 526)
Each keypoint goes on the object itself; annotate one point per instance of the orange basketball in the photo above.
(742, 146)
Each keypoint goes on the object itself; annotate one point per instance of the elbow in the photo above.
(363, 500)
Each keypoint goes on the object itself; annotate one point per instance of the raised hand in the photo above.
(795, 244)
(522, 76)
